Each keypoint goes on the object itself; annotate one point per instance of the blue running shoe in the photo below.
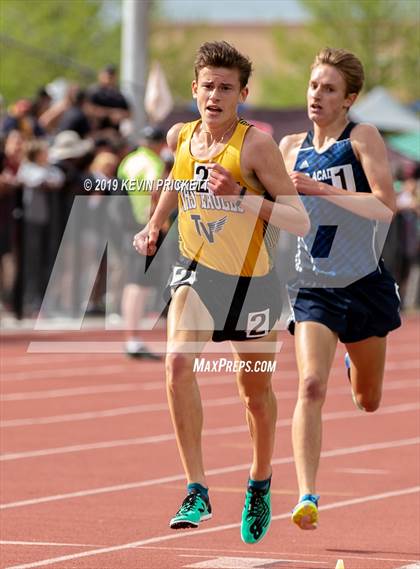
(347, 364)
(305, 513)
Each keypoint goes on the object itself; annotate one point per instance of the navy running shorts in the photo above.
(368, 307)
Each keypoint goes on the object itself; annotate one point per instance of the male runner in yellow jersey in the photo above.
(224, 286)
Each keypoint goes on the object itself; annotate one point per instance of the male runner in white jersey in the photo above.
(341, 170)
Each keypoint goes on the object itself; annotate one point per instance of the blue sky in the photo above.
(230, 11)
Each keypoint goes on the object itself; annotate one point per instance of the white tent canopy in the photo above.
(381, 109)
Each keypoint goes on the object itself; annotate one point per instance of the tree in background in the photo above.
(43, 40)
(46, 39)
(383, 33)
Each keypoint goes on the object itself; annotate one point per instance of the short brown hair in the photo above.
(346, 63)
(222, 54)
(33, 148)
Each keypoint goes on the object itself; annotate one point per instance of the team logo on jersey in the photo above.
(208, 230)
(340, 176)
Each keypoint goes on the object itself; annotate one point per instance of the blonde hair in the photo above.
(346, 63)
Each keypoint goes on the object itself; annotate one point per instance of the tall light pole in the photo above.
(134, 56)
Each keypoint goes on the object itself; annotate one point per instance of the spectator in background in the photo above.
(103, 167)
(72, 155)
(74, 117)
(41, 103)
(142, 164)
(37, 177)
(107, 105)
(408, 209)
(21, 117)
(10, 157)
(10, 195)
(67, 113)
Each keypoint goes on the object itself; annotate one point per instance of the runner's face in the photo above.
(326, 95)
(218, 93)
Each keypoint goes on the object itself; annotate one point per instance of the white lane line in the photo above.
(86, 447)
(66, 372)
(31, 359)
(37, 359)
(86, 416)
(126, 368)
(153, 439)
(264, 552)
(224, 562)
(70, 392)
(154, 407)
(112, 347)
(286, 355)
(109, 347)
(280, 375)
(50, 544)
(199, 532)
(124, 387)
(213, 472)
(215, 550)
(134, 409)
(412, 566)
(368, 471)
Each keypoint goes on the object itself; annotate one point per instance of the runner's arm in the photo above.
(145, 241)
(371, 151)
(261, 159)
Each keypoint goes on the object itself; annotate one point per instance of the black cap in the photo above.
(153, 133)
(110, 68)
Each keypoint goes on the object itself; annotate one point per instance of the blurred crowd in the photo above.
(402, 248)
(52, 143)
(49, 146)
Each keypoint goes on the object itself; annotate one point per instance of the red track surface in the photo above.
(91, 474)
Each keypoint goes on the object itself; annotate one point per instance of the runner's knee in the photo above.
(178, 368)
(312, 389)
(369, 401)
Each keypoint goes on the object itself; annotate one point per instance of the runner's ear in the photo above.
(194, 89)
(243, 95)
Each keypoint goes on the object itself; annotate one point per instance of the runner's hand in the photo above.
(145, 241)
(221, 182)
(306, 185)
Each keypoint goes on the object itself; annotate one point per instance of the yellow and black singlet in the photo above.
(213, 231)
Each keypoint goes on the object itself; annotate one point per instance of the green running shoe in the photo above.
(256, 515)
(194, 509)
